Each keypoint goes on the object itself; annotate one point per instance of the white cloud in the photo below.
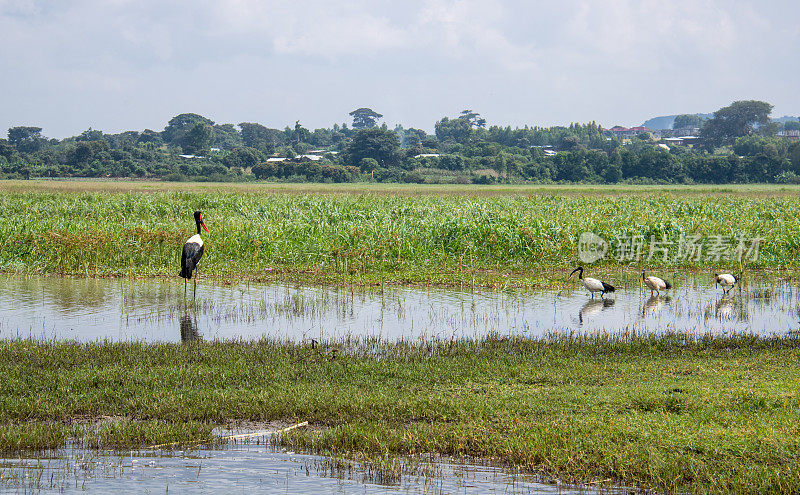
(120, 64)
(19, 7)
(341, 36)
(473, 29)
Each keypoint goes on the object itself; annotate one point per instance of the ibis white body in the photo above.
(592, 284)
(655, 284)
(726, 280)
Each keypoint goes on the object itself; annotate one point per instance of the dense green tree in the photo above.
(150, 136)
(261, 138)
(364, 118)
(198, 140)
(86, 152)
(474, 118)
(381, 145)
(792, 125)
(456, 130)
(687, 120)
(413, 137)
(368, 164)
(26, 139)
(126, 139)
(243, 158)
(90, 135)
(226, 137)
(735, 120)
(6, 150)
(182, 124)
(794, 154)
(299, 134)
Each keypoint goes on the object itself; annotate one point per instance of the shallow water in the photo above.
(56, 308)
(244, 468)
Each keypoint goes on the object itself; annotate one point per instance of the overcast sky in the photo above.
(121, 65)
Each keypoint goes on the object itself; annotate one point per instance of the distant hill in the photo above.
(666, 121)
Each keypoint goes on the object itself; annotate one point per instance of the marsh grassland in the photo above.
(355, 234)
(671, 411)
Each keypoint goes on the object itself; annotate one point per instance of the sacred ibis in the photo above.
(726, 280)
(592, 284)
(655, 284)
(192, 252)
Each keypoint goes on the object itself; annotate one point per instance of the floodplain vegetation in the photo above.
(356, 235)
(670, 412)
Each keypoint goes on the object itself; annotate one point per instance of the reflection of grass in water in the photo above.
(88, 469)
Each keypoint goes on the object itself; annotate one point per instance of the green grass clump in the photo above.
(525, 237)
(671, 412)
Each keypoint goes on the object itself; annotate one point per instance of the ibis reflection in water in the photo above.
(592, 307)
(655, 304)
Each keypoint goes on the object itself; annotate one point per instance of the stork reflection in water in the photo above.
(189, 329)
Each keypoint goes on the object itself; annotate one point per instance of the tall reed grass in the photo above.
(370, 237)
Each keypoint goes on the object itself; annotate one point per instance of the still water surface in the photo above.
(250, 468)
(56, 308)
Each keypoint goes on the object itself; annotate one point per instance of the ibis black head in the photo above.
(579, 269)
(642, 274)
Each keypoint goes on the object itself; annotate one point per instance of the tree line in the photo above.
(740, 143)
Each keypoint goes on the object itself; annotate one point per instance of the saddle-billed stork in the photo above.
(192, 252)
(655, 284)
(592, 284)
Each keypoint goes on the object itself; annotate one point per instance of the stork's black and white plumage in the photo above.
(726, 281)
(192, 250)
(655, 284)
(592, 284)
